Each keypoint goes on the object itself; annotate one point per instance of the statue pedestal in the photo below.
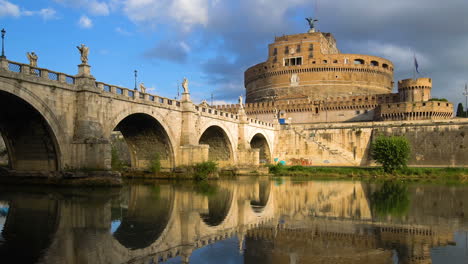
(84, 70)
(185, 97)
(312, 30)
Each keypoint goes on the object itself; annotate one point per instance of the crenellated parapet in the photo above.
(417, 90)
(415, 111)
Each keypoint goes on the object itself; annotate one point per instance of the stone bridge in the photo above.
(52, 121)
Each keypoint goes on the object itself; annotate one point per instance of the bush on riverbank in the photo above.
(203, 170)
(155, 163)
(392, 152)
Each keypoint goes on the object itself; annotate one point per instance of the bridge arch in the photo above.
(221, 143)
(32, 133)
(147, 137)
(259, 141)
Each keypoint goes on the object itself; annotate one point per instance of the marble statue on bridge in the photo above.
(84, 53)
(142, 88)
(185, 85)
(32, 57)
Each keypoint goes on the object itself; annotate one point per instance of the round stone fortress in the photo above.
(311, 65)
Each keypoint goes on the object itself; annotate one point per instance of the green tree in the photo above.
(392, 152)
(460, 110)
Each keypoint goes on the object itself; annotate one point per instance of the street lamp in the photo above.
(466, 99)
(3, 43)
(136, 72)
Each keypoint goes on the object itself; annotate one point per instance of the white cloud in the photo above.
(186, 13)
(98, 8)
(9, 9)
(85, 22)
(45, 13)
(122, 31)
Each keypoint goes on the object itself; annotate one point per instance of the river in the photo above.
(244, 220)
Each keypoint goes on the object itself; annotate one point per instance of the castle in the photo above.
(306, 79)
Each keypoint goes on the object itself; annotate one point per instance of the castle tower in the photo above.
(418, 90)
(310, 65)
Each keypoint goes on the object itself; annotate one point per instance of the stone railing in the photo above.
(207, 110)
(40, 72)
(137, 95)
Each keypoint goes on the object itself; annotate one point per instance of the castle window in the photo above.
(358, 61)
(374, 63)
(275, 51)
(385, 66)
(286, 50)
(358, 112)
(311, 55)
(325, 61)
(424, 104)
(311, 47)
(298, 48)
(335, 61)
(293, 61)
(275, 60)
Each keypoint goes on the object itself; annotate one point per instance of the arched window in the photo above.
(374, 63)
(358, 61)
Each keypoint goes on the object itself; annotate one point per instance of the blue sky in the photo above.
(212, 42)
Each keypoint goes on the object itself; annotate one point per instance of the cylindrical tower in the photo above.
(311, 65)
(418, 90)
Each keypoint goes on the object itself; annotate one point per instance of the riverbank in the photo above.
(410, 173)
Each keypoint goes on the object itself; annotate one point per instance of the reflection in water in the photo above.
(243, 221)
(144, 217)
(3, 214)
(392, 199)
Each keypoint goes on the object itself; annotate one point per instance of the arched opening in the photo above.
(219, 205)
(374, 63)
(28, 141)
(259, 142)
(147, 143)
(358, 61)
(385, 66)
(263, 195)
(220, 146)
(141, 214)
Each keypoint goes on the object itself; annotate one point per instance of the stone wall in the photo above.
(433, 143)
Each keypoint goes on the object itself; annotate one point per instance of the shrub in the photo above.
(116, 163)
(204, 169)
(392, 152)
(155, 163)
(276, 169)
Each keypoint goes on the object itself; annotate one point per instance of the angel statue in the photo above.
(241, 101)
(311, 23)
(185, 85)
(142, 88)
(84, 53)
(32, 57)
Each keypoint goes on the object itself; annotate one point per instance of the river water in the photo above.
(247, 220)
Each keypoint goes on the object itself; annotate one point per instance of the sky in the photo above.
(212, 42)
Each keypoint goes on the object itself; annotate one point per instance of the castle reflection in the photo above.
(271, 222)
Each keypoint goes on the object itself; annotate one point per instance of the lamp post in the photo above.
(136, 72)
(3, 44)
(466, 99)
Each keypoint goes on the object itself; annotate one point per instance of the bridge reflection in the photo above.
(306, 222)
